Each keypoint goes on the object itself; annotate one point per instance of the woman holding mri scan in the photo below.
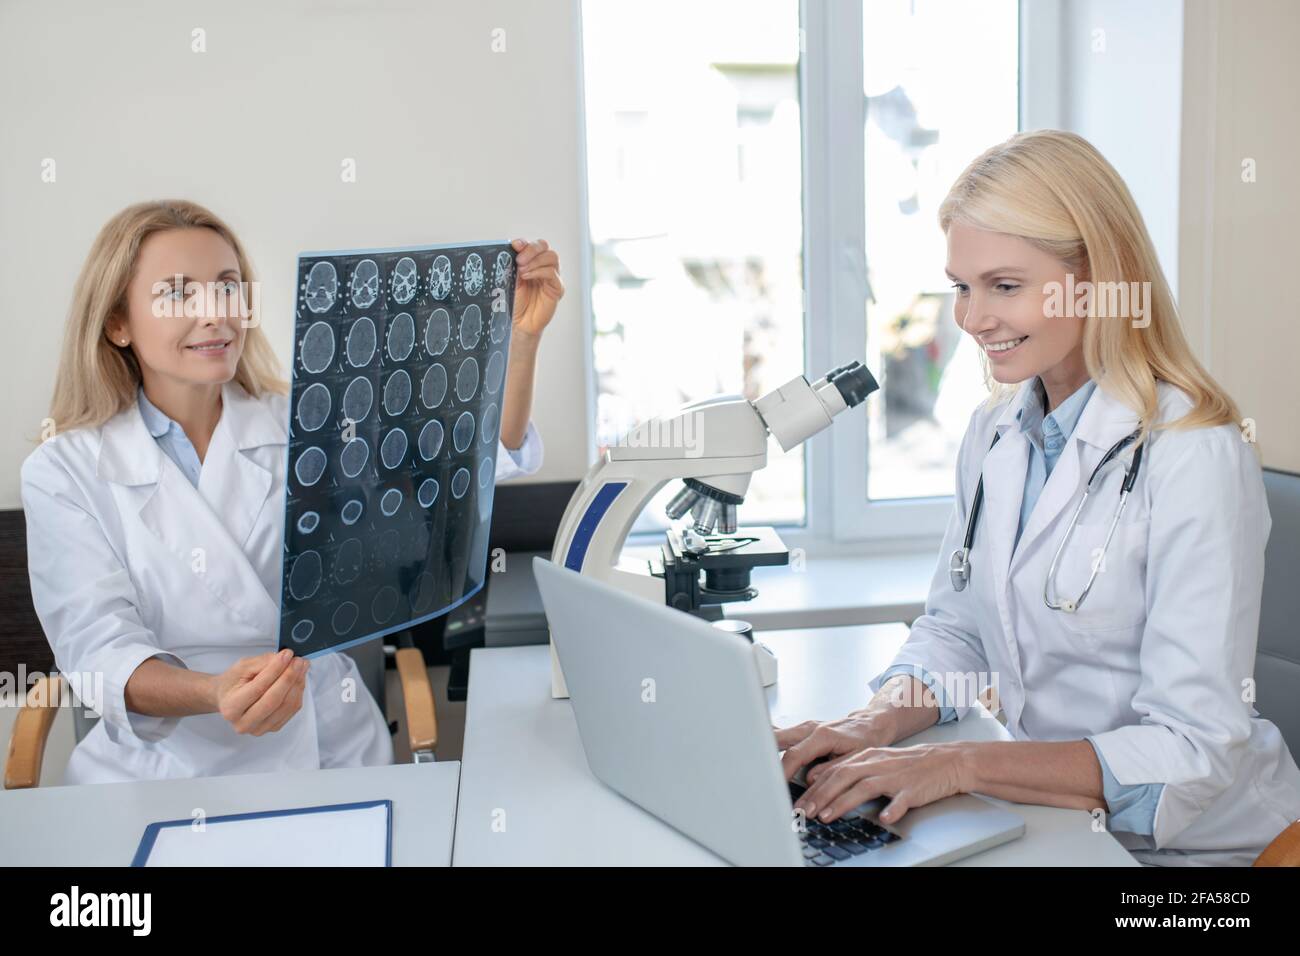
(1100, 578)
(155, 506)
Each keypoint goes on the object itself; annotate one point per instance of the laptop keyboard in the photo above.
(825, 844)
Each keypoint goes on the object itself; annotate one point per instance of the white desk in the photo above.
(528, 798)
(101, 824)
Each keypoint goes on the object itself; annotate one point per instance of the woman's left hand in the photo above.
(913, 776)
(538, 286)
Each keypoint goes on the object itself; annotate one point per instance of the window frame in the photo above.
(839, 518)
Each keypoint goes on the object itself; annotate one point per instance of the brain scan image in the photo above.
(314, 408)
(471, 327)
(321, 287)
(357, 399)
(352, 459)
(502, 270)
(304, 577)
(430, 441)
(310, 466)
(365, 284)
(362, 340)
(491, 418)
(397, 393)
(471, 275)
(428, 492)
(393, 449)
(390, 502)
(496, 373)
(440, 278)
(460, 483)
(463, 433)
(437, 332)
(317, 349)
(399, 361)
(403, 281)
(349, 560)
(433, 387)
(401, 337)
(344, 618)
(352, 511)
(467, 379)
(499, 327)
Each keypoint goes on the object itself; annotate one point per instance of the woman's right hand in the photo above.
(258, 695)
(831, 740)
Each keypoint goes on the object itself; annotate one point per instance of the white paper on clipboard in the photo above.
(341, 835)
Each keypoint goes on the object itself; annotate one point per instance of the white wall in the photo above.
(1111, 71)
(1240, 238)
(452, 142)
(1182, 93)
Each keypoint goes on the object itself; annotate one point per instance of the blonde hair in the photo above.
(97, 378)
(1056, 191)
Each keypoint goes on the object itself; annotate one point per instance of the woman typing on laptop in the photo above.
(1110, 522)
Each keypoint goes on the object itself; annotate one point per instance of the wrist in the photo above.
(525, 342)
(968, 763)
(881, 716)
(888, 709)
(209, 693)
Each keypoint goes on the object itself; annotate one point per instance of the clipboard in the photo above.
(353, 831)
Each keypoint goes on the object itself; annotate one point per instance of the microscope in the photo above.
(712, 447)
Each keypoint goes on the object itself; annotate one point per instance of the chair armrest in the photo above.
(30, 731)
(1284, 850)
(417, 699)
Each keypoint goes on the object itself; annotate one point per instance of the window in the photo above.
(941, 85)
(694, 182)
(750, 164)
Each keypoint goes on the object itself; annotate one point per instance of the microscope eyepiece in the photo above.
(853, 381)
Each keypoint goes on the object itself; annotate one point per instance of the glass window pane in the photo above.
(694, 179)
(941, 80)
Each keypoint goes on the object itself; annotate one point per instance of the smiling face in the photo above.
(184, 332)
(1002, 285)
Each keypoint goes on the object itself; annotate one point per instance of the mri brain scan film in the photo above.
(392, 443)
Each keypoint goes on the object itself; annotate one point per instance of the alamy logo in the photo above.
(223, 299)
(683, 431)
(102, 909)
(1111, 300)
(19, 688)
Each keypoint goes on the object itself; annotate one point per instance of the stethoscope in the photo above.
(959, 563)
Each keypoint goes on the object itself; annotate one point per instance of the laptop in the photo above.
(673, 716)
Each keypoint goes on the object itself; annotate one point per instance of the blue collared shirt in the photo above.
(1133, 806)
(1047, 435)
(171, 438)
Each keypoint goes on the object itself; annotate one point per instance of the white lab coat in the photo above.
(1157, 660)
(115, 533)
